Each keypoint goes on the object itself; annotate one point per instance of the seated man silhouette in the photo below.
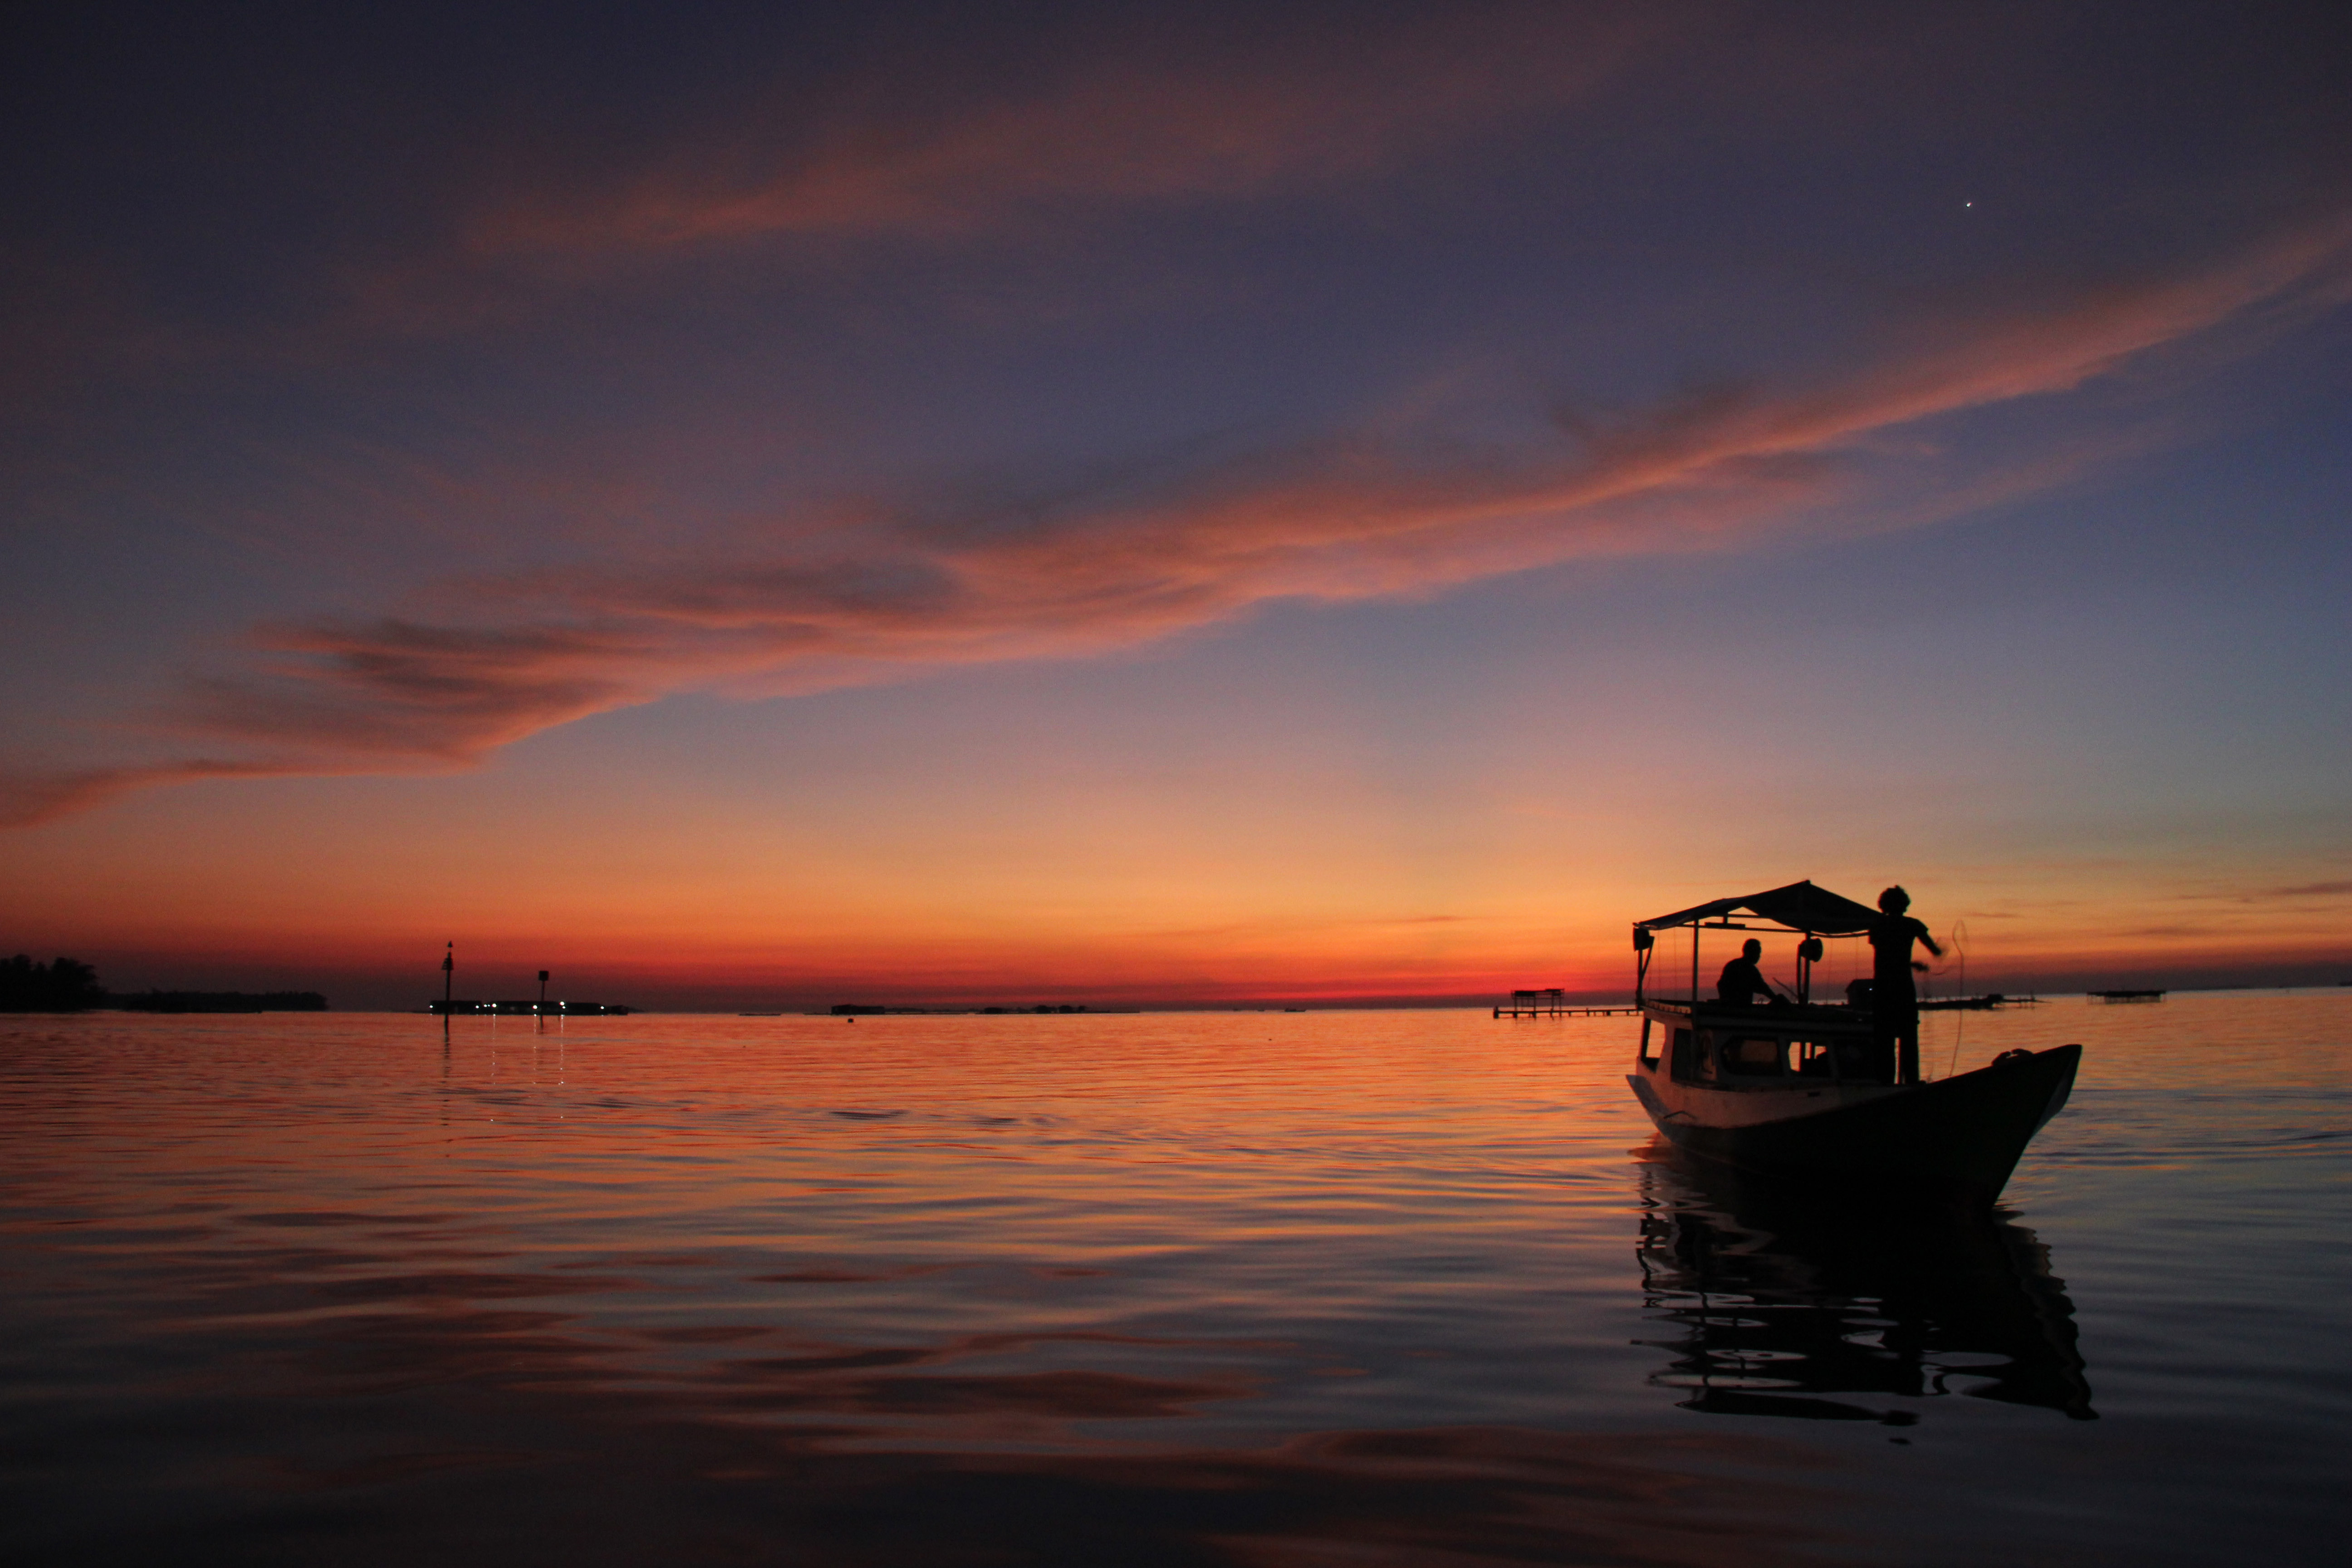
(1741, 980)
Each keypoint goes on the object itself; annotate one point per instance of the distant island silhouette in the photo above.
(61, 985)
(69, 986)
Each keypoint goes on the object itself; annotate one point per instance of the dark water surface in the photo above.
(1324, 1289)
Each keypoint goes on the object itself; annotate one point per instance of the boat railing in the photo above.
(1785, 1016)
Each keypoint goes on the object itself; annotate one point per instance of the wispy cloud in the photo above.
(918, 145)
(1124, 563)
(27, 797)
(2311, 891)
(1158, 119)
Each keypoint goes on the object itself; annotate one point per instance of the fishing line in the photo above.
(1960, 1024)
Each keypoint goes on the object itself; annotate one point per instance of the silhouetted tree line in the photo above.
(69, 986)
(62, 986)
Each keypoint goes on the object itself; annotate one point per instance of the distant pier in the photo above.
(1549, 1003)
(2129, 996)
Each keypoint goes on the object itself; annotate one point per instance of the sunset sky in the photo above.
(1176, 505)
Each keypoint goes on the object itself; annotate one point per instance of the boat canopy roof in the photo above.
(1800, 906)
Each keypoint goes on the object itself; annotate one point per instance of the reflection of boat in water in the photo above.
(1787, 1306)
(1802, 1089)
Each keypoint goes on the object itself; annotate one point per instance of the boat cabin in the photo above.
(1759, 1049)
(1700, 1038)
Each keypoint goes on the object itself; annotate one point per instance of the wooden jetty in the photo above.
(1984, 1004)
(2129, 996)
(1547, 1002)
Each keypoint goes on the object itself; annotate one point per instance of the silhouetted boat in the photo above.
(1795, 1090)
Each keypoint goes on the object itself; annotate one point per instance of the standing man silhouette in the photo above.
(1893, 999)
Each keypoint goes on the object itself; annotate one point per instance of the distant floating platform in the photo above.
(1984, 1004)
(1549, 1003)
(460, 1006)
(2128, 995)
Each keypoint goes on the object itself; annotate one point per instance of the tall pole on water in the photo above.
(449, 976)
(543, 991)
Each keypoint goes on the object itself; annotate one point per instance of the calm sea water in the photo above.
(1263, 1288)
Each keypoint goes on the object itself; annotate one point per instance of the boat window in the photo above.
(1649, 1049)
(1686, 1057)
(1811, 1058)
(1752, 1056)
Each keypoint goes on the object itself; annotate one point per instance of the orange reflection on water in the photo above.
(1257, 1288)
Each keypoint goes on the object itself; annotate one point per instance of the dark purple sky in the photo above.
(1180, 501)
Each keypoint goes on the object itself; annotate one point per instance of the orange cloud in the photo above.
(1349, 519)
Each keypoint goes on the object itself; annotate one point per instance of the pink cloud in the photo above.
(1349, 519)
(27, 798)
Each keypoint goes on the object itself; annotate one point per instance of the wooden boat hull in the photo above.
(1961, 1136)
